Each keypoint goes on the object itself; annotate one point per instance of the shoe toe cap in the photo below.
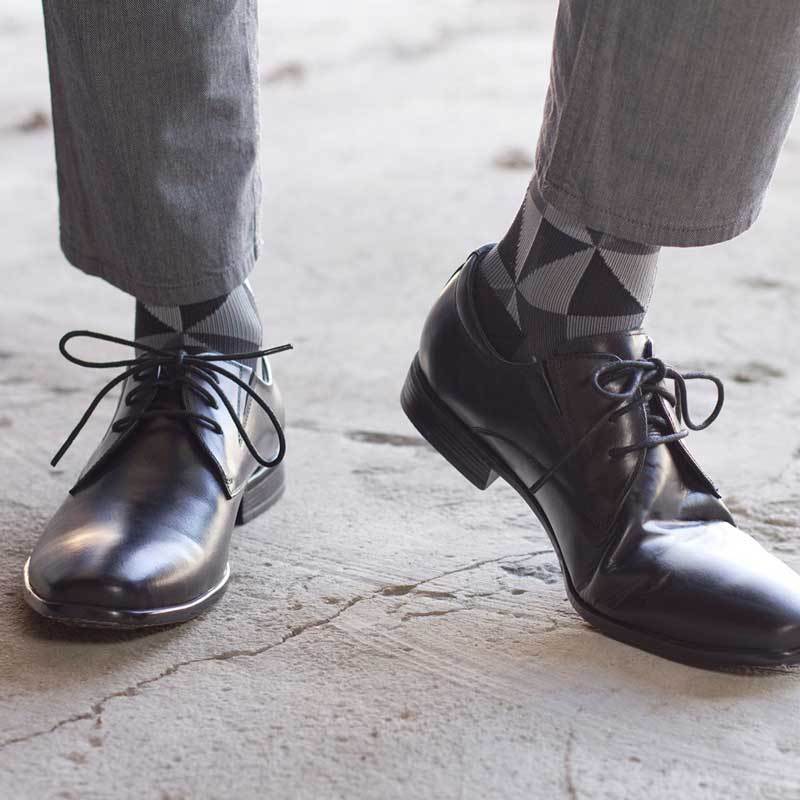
(708, 585)
(100, 566)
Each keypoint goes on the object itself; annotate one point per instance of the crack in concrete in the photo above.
(569, 772)
(52, 729)
(403, 589)
(98, 707)
(569, 779)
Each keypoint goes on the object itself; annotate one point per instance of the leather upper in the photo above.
(148, 524)
(644, 537)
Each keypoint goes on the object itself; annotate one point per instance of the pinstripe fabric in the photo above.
(664, 120)
(156, 124)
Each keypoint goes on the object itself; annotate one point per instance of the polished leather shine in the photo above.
(650, 554)
(143, 536)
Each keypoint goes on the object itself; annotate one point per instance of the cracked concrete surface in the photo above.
(389, 631)
(98, 707)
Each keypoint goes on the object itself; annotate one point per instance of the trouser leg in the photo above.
(155, 109)
(663, 120)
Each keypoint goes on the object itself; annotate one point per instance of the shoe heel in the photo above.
(263, 490)
(443, 430)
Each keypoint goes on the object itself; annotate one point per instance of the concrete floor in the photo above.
(390, 632)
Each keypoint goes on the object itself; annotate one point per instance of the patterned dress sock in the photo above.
(226, 324)
(552, 279)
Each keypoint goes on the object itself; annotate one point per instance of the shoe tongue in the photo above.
(627, 345)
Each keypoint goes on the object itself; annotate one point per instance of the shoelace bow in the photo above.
(156, 368)
(646, 375)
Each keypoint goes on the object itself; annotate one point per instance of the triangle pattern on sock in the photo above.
(496, 318)
(508, 297)
(507, 246)
(636, 273)
(542, 330)
(193, 313)
(550, 287)
(495, 272)
(550, 245)
(215, 322)
(601, 294)
(192, 341)
(531, 222)
(148, 324)
(166, 316)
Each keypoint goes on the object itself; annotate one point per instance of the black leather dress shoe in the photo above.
(196, 446)
(591, 438)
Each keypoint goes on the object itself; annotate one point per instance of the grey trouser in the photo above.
(663, 122)
(155, 110)
(664, 118)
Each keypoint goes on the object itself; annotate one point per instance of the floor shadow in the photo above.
(638, 664)
(34, 626)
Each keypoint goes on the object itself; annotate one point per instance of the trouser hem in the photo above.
(213, 282)
(638, 228)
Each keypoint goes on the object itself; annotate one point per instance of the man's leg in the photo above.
(155, 109)
(663, 121)
(662, 126)
(156, 120)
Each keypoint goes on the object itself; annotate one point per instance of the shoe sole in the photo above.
(263, 490)
(475, 460)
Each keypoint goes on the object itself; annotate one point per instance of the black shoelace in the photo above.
(646, 375)
(155, 368)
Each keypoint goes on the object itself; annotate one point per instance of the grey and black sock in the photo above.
(226, 324)
(552, 279)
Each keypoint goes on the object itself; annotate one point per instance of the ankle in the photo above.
(226, 324)
(552, 279)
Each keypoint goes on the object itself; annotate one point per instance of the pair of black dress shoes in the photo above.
(592, 438)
